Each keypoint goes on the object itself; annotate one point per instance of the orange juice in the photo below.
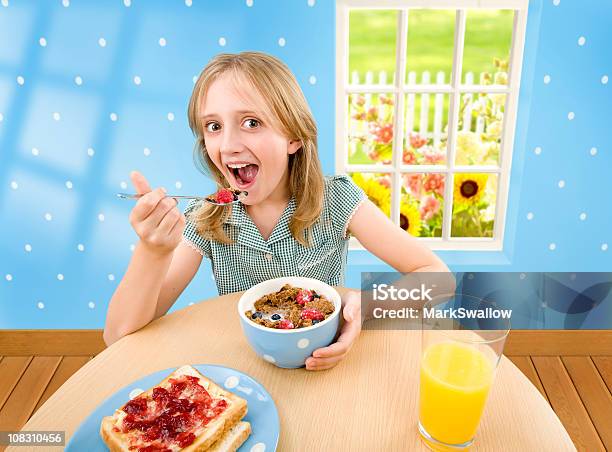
(455, 381)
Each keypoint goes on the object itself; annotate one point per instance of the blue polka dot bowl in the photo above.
(288, 348)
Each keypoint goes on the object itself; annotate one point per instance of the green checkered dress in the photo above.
(251, 259)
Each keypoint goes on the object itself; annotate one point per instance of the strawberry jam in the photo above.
(177, 410)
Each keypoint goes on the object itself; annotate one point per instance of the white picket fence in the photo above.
(423, 129)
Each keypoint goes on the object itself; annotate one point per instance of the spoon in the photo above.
(238, 196)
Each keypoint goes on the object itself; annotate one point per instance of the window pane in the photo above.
(430, 45)
(370, 128)
(372, 37)
(488, 37)
(378, 188)
(474, 199)
(426, 122)
(422, 204)
(481, 117)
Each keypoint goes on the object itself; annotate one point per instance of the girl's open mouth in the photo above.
(244, 173)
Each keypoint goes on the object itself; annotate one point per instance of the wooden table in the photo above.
(368, 402)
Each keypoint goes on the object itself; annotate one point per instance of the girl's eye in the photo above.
(213, 127)
(251, 123)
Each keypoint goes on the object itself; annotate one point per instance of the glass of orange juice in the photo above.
(463, 338)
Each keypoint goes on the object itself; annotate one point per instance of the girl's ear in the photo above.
(294, 146)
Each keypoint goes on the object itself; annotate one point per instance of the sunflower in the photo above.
(378, 193)
(410, 218)
(469, 188)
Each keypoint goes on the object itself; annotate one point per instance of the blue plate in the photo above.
(261, 414)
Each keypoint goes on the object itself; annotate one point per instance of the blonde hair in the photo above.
(289, 114)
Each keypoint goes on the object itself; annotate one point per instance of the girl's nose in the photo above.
(230, 141)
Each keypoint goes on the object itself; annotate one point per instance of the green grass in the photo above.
(372, 36)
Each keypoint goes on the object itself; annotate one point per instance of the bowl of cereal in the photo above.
(286, 319)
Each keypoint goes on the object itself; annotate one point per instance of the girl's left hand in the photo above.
(328, 357)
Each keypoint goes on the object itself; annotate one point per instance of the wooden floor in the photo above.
(578, 387)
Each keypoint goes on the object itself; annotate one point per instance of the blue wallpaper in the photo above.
(92, 90)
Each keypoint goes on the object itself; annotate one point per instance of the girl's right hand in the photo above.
(155, 218)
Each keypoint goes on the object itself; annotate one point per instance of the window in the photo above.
(426, 107)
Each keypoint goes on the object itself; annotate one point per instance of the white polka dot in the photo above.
(281, 42)
(127, 3)
(604, 247)
(170, 116)
(90, 152)
(269, 358)
(194, 78)
(537, 150)
(303, 343)
(583, 216)
(249, 3)
(571, 115)
(57, 116)
(66, 3)
(471, 276)
(593, 151)
(604, 79)
(231, 382)
(188, 3)
(222, 41)
(111, 277)
(78, 80)
(8, 277)
(190, 303)
(102, 42)
(146, 152)
(135, 393)
(581, 40)
(259, 447)
(81, 247)
(552, 246)
(113, 117)
(48, 216)
(1, 117)
(162, 42)
(311, 3)
(312, 80)
(522, 276)
(5, 3)
(60, 277)
(178, 184)
(42, 42)
(69, 185)
(132, 247)
(14, 185)
(100, 217)
(530, 216)
(123, 185)
(137, 80)
(20, 80)
(28, 247)
(91, 305)
(561, 184)
(35, 152)
(41, 305)
(546, 79)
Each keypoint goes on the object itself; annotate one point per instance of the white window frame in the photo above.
(454, 89)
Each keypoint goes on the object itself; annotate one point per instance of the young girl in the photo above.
(255, 132)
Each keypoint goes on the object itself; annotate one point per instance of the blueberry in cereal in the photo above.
(291, 308)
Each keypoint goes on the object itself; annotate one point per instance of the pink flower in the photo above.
(434, 182)
(382, 133)
(416, 141)
(359, 116)
(413, 181)
(430, 205)
(372, 114)
(409, 158)
(384, 181)
(433, 156)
